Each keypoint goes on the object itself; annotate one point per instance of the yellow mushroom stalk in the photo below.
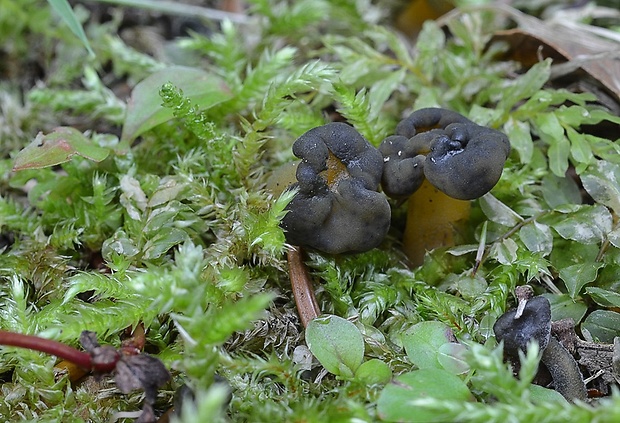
(440, 160)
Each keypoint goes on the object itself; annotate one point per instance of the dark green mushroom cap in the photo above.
(534, 323)
(462, 159)
(403, 163)
(337, 208)
(424, 120)
(467, 161)
(517, 328)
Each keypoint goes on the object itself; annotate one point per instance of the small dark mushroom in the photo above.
(439, 160)
(531, 321)
(337, 208)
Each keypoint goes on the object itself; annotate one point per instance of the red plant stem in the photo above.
(303, 292)
(48, 346)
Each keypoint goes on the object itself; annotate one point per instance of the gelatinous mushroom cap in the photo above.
(424, 120)
(403, 167)
(460, 158)
(337, 208)
(467, 161)
(534, 323)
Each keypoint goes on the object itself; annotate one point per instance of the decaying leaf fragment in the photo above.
(132, 372)
(576, 47)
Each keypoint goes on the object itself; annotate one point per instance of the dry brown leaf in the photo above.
(571, 45)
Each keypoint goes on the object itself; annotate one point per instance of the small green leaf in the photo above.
(578, 275)
(504, 251)
(578, 115)
(551, 132)
(544, 396)
(451, 357)
(604, 297)
(165, 239)
(337, 344)
(558, 156)
(614, 237)
(382, 90)
(498, 212)
(471, 287)
(580, 148)
(567, 253)
(373, 372)
(602, 182)
(63, 8)
(564, 307)
(603, 325)
(422, 342)
(526, 85)
(587, 224)
(119, 244)
(165, 193)
(558, 191)
(537, 237)
(145, 111)
(58, 147)
(520, 138)
(404, 399)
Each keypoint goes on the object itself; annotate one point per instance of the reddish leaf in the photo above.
(56, 148)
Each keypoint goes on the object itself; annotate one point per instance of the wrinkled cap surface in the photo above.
(467, 161)
(337, 208)
(462, 159)
(424, 120)
(533, 324)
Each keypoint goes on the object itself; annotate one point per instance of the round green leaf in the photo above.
(451, 357)
(406, 399)
(422, 342)
(471, 287)
(374, 372)
(337, 344)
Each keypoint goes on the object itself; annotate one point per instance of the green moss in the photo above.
(177, 231)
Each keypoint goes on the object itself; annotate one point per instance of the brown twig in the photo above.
(303, 292)
(48, 346)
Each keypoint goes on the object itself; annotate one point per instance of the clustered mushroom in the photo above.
(338, 208)
(439, 160)
(460, 158)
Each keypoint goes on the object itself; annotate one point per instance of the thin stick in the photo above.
(303, 292)
(47, 346)
(181, 9)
